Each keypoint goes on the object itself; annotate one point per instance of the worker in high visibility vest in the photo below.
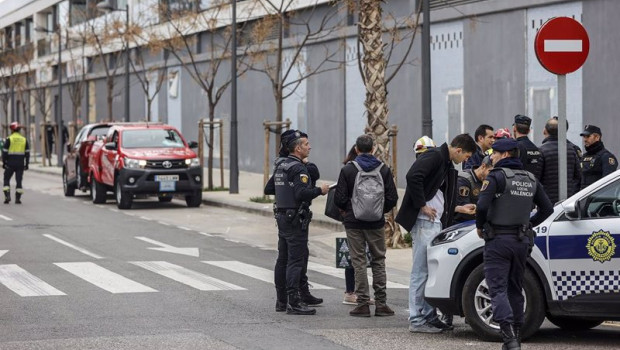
(15, 159)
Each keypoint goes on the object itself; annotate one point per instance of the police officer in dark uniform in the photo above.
(468, 187)
(15, 159)
(304, 286)
(503, 220)
(294, 192)
(597, 162)
(530, 155)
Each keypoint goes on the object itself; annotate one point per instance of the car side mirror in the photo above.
(193, 144)
(572, 210)
(111, 146)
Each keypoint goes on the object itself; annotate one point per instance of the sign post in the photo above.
(562, 46)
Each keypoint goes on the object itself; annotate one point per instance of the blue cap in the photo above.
(505, 145)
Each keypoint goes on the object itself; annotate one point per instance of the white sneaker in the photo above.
(350, 299)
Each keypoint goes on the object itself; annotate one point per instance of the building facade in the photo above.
(483, 70)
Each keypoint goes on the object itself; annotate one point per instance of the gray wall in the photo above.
(601, 72)
(494, 73)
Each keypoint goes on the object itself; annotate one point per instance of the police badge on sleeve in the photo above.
(304, 178)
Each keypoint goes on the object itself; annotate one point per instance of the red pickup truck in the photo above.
(144, 159)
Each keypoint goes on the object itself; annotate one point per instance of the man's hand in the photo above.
(430, 212)
(324, 189)
(469, 209)
(479, 230)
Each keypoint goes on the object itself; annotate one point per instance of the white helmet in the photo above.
(423, 144)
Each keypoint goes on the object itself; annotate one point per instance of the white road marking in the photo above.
(339, 273)
(186, 276)
(184, 228)
(255, 272)
(163, 223)
(145, 218)
(205, 234)
(2, 252)
(5, 218)
(104, 278)
(563, 46)
(25, 284)
(171, 249)
(72, 246)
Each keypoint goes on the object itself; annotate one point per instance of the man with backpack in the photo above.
(365, 192)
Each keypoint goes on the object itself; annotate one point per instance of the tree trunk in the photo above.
(370, 32)
(211, 144)
(110, 86)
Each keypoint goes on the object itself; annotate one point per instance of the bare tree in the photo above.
(76, 76)
(150, 77)
(373, 65)
(271, 36)
(205, 68)
(11, 65)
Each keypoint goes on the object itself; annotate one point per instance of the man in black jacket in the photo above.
(419, 214)
(529, 154)
(484, 139)
(597, 162)
(550, 177)
(362, 231)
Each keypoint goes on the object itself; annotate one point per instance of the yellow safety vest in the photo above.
(17, 144)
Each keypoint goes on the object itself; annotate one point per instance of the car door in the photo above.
(71, 156)
(108, 160)
(584, 260)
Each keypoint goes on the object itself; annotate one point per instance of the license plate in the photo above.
(166, 178)
(167, 186)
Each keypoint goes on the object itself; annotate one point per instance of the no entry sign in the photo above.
(562, 45)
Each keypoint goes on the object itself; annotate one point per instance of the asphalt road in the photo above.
(84, 276)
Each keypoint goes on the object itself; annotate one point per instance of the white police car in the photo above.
(572, 276)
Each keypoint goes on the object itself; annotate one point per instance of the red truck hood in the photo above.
(159, 153)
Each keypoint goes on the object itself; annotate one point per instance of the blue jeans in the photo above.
(422, 234)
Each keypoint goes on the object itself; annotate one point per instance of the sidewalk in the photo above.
(322, 246)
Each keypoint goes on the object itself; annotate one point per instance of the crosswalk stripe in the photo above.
(186, 276)
(104, 278)
(25, 284)
(339, 273)
(255, 272)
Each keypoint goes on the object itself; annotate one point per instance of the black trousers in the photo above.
(292, 260)
(505, 257)
(8, 173)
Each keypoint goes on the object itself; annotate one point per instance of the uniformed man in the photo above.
(468, 187)
(294, 191)
(503, 220)
(530, 155)
(597, 162)
(304, 286)
(15, 159)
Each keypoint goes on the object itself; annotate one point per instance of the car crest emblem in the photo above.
(601, 246)
(167, 164)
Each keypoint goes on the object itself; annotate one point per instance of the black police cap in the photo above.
(591, 129)
(505, 145)
(523, 119)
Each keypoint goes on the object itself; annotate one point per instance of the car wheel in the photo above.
(69, 190)
(79, 177)
(572, 323)
(165, 199)
(124, 199)
(477, 305)
(194, 200)
(97, 191)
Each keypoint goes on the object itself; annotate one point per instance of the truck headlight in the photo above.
(451, 234)
(192, 162)
(134, 163)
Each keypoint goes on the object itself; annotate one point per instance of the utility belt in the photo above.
(295, 216)
(489, 232)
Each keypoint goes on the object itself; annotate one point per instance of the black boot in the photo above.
(281, 302)
(517, 329)
(296, 307)
(509, 337)
(18, 198)
(308, 298)
(7, 197)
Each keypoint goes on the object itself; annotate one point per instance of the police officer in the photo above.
(503, 220)
(530, 155)
(280, 281)
(597, 162)
(468, 187)
(294, 191)
(15, 159)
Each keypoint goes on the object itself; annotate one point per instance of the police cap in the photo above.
(287, 139)
(523, 119)
(505, 145)
(591, 129)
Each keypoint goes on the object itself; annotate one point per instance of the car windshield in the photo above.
(151, 138)
(99, 132)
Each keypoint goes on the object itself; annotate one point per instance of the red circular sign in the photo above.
(562, 45)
